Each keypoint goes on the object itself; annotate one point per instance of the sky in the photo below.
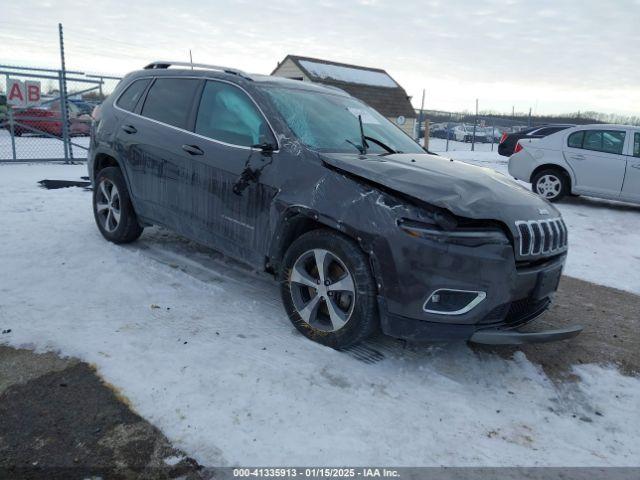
(553, 56)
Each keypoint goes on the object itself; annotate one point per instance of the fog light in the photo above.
(446, 301)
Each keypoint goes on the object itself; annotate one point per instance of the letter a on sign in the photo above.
(16, 93)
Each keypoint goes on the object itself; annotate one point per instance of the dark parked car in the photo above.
(84, 107)
(508, 142)
(363, 229)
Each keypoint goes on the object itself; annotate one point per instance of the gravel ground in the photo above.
(60, 421)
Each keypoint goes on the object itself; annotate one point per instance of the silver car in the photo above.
(596, 160)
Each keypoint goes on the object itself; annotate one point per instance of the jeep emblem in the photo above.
(543, 211)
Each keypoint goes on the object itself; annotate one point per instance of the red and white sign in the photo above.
(23, 94)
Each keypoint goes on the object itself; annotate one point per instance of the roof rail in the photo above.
(166, 64)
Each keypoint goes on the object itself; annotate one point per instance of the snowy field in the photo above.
(604, 236)
(202, 348)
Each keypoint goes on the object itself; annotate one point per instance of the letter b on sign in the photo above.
(33, 92)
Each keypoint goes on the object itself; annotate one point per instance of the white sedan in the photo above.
(596, 160)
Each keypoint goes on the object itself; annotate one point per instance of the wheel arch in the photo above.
(105, 158)
(297, 221)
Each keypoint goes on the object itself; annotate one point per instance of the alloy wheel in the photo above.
(322, 290)
(108, 205)
(549, 186)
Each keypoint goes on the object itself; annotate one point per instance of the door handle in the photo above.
(636, 165)
(577, 157)
(129, 129)
(192, 149)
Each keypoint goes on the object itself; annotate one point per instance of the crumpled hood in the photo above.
(463, 189)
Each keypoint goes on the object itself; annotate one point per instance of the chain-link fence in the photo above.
(45, 114)
(455, 131)
(450, 131)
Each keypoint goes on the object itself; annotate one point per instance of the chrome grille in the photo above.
(539, 237)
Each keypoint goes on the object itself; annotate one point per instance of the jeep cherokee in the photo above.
(364, 229)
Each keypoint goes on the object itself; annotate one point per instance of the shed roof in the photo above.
(373, 86)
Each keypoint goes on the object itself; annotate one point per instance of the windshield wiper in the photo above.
(363, 139)
(365, 145)
(380, 144)
(360, 148)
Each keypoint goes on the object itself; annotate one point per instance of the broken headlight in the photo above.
(467, 236)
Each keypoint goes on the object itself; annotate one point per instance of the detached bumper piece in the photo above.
(515, 337)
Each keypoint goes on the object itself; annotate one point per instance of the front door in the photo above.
(231, 209)
(631, 185)
(596, 159)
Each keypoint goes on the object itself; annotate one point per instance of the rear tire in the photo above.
(112, 208)
(551, 184)
(338, 307)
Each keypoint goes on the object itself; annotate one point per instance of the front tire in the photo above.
(328, 289)
(112, 208)
(551, 184)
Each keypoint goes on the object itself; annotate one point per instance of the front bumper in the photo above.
(505, 333)
(516, 294)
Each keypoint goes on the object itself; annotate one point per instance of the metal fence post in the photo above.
(12, 133)
(493, 134)
(475, 123)
(63, 114)
(63, 99)
(11, 126)
(448, 133)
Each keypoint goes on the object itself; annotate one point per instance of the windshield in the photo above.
(329, 123)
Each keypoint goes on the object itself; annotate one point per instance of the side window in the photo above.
(228, 115)
(575, 139)
(129, 99)
(608, 141)
(636, 145)
(592, 140)
(169, 101)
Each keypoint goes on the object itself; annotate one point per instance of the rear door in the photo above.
(127, 139)
(631, 185)
(597, 160)
(155, 140)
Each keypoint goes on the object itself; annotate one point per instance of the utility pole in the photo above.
(64, 107)
(190, 59)
(448, 132)
(513, 111)
(420, 121)
(529, 122)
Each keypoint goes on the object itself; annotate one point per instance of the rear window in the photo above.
(575, 139)
(129, 99)
(169, 101)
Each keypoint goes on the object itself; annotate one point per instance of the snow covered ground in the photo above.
(203, 349)
(604, 236)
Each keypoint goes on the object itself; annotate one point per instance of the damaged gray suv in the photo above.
(364, 229)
